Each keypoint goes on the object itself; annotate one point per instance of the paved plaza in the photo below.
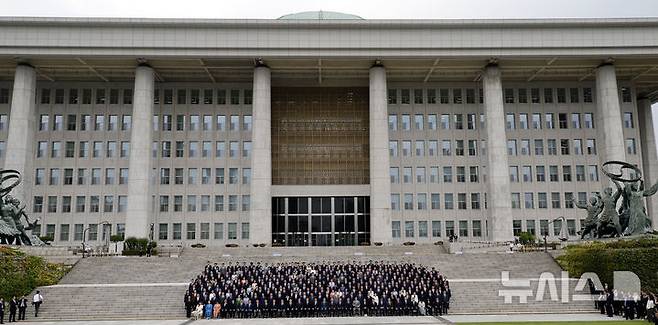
(356, 320)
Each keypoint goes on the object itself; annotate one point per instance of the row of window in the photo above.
(421, 202)
(193, 176)
(79, 231)
(202, 203)
(84, 122)
(462, 228)
(437, 230)
(435, 201)
(545, 228)
(101, 122)
(114, 149)
(165, 122)
(420, 176)
(510, 95)
(206, 151)
(95, 176)
(82, 204)
(513, 121)
(542, 200)
(204, 231)
(85, 148)
(101, 96)
(515, 147)
(522, 147)
(553, 173)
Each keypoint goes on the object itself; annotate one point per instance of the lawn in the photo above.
(635, 322)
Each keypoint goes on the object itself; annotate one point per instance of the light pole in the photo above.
(84, 241)
(106, 237)
(546, 233)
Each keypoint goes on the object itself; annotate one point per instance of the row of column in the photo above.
(22, 127)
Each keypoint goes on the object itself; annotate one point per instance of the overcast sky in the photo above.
(368, 9)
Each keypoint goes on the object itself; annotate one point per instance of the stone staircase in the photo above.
(152, 288)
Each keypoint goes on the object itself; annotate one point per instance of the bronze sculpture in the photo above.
(12, 229)
(594, 208)
(604, 219)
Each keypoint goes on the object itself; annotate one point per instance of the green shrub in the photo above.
(138, 246)
(526, 238)
(603, 258)
(116, 238)
(22, 273)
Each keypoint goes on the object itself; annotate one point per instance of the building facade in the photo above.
(321, 128)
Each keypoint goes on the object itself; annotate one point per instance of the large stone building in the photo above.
(321, 128)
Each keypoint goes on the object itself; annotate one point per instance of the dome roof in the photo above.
(320, 15)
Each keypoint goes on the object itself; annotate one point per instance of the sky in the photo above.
(369, 9)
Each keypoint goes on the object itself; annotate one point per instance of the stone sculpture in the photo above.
(12, 229)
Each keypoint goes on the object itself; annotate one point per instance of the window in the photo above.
(472, 147)
(218, 232)
(523, 96)
(422, 229)
(176, 233)
(406, 122)
(394, 174)
(575, 120)
(566, 173)
(626, 96)
(509, 96)
(219, 175)
(52, 204)
(574, 95)
(393, 148)
(406, 148)
(459, 121)
(534, 95)
(450, 228)
(235, 97)
(528, 199)
(409, 229)
(511, 147)
(37, 206)
(525, 147)
(516, 200)
(191, 231)
(580, 173)
(550, 123)
(461, 174)
(246, 202)
(432, 148)
(587, 95)
(194, 123)
(509, 121)
(523, 121)
(588, 120)
(463, 228)
(108, 203)
(431, 122)
(42, 148)
(448, 201)
(577, 147)
(233, 203)
(446, 147)
(163, 231)
(553, 173)
(127, 96)
(191, 203)
(421, 201)
(445, 121)
(219, 203)
(245, 230)
(542, 201)
(418, 96)
(628, 120)
(536, 121)
(232, 230)
(555, 200)
(564, 146)
(408, 201)
(591, 146)
(392, 96)
(435, 201)
(447, 174)
(395, 202)
(220, 123)
(593, 173)
(395, 228)
(436, 228)
(419, 121)
(561, 95)
(630, 146)
(64, 232)
(477, 228)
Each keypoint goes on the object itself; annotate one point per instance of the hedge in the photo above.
(21, 273)
(139, 246)
(639, 256)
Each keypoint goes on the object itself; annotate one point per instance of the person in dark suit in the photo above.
(22, 307)
(2, 310)
(13, 305)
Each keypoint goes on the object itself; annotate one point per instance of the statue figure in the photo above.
(12, 229)
(609, 221)
(590, 223)
(633, 207)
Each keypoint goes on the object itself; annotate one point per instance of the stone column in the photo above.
(260, 214)
(649, 156)
(500, 199)
(22, 128)
(608, 115)
(141, 136)
(380, 184)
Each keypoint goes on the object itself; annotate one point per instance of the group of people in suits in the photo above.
(631, 306)
(19, 305)
(300, 289)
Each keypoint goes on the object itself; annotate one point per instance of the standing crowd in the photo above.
(18, 306)
(631, 306)
(298, 289)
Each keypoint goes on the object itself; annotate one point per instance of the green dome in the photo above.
(319, 15)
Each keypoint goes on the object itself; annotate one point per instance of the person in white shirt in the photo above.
(37, 300)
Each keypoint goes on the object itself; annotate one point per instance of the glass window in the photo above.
(395, 228)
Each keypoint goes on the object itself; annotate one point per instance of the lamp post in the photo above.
(546, 234)
(84, 241)
(106, 237)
